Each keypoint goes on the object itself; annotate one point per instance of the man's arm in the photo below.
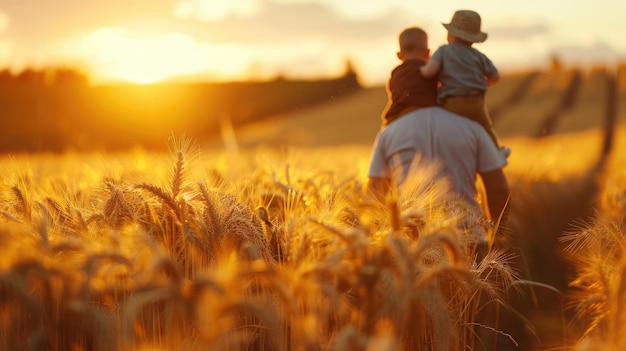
(498, 192)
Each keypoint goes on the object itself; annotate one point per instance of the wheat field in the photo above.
(200, 252)
(278, 248)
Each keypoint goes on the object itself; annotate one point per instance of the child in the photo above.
(464, 72)
(407, 89)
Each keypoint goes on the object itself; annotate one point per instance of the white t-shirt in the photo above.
(460, 146)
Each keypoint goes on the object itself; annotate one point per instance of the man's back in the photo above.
(460, 146)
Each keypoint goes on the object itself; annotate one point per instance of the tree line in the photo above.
(58, 109)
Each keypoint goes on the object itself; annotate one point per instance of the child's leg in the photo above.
(487, 123)
(472, 107)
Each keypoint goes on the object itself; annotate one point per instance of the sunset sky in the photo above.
(150, 40)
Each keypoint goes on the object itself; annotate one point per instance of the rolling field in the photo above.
(521, 105)
(264, 240)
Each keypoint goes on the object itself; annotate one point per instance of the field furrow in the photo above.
(529, 116)
(588, 110)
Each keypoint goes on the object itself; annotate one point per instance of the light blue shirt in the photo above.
(463, 69)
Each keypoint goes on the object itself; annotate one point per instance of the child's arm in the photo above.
(493, 79)
(431, 68)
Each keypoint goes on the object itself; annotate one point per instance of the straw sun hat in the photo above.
(465, 25)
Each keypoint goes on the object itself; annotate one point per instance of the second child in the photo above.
(407, 89)
(464, 72)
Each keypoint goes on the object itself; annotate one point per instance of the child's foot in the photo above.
(505, 150)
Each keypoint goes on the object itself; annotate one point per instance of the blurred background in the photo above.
(117, 74)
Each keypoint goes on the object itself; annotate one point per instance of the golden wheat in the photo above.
(279, 256)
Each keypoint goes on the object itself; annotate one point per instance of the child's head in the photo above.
(465, 28)
(413, 44)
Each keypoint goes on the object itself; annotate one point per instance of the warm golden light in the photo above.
(117, 54)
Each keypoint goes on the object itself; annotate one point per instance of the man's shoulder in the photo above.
(431, 111)
(439, 114)
(436, 113)
(421, 113)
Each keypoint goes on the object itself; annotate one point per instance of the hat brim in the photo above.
(464, 35)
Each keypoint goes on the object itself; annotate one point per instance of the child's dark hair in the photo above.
(413, 39)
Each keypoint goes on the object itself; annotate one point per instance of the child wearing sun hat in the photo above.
(464, 72)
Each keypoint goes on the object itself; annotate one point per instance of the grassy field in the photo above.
(265, 241)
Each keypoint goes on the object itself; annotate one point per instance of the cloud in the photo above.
(305, 37)
(260, 22)
(213, 10)
(4, 21)
(45, 20)
(275, 22)
(598, 52)
(519, 31)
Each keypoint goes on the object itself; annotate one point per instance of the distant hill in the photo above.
(532, 104)
(354, 119)
(44, 112)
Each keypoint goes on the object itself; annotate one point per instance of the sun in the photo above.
(122, 56)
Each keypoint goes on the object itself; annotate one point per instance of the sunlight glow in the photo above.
(5, 45)
(5, 51)
(145, 60)
(4, 21)
(121, 55)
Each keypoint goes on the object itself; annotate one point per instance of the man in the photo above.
(420, 135)
(460, 147)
